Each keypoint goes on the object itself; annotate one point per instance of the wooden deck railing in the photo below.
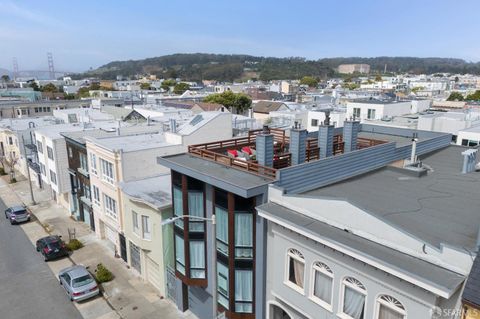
(368, 142)
(237, 163)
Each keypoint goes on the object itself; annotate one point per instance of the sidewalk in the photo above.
(126, 296)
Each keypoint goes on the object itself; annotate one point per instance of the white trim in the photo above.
(287, 281)
(379, 301)
(344, 283)
(312, 296)
(303, 313)
(279, 305)
(439, 292)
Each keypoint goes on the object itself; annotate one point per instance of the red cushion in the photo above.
(247, 150)
(234, 153)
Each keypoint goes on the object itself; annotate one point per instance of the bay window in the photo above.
(195, 208)
(222, 284)
(179, 254)
(243, 291)
(178, 205)
(243, 235)
(222, 230)
(197, 259)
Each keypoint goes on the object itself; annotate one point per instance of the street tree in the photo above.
(180, 88)
(455, 96)
(310, 81)
(235, 102)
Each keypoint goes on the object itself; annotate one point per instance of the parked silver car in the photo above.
(17, 214)
(79, 284)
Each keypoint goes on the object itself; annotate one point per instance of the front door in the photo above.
(135, 257)
(123, 247)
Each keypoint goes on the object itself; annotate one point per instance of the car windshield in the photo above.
(19, 212)
(82, 281)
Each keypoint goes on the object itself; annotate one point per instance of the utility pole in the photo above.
(28, 172)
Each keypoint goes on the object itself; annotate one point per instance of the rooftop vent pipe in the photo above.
(413, 156)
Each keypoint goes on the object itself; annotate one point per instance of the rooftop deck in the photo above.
(223, 152)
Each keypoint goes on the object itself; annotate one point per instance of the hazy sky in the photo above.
(84, 34)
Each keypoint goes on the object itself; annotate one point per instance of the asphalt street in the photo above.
(28, 288)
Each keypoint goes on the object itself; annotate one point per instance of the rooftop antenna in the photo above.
(51, 68)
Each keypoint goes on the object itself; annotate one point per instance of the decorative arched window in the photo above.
(354, 296)
(322, 288)
(390, 308)
(296, 268)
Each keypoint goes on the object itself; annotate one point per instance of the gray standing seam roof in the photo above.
(440, 208)
(441, 278)
(471, 293)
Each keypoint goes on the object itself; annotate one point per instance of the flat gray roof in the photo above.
(234, 180)
(440, 278)
(440, 208)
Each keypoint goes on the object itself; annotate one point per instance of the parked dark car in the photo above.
(52, 247)
(17, 214)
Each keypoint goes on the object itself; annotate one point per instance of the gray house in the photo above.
(263, 245)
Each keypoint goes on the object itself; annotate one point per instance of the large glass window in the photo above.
(222, 283)
(244, 291)
(83, 162)
(178, 205)
(180, 254)
(322, 285)
(197, 259)
(354, 294)
(146, 232)
(110, 206)
(93, 163)
(390, 308)
(96, 195)
(40, 147)
(107, 171)
(50, 152)
(222, 230)
(371, 114)
(243, 235)
(195, 208)
(356, 112)
(296, 269)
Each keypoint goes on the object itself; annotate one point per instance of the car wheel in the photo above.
(45, 258)
(11, 222)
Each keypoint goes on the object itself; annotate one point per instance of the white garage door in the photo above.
(111, 235)
(153, 273)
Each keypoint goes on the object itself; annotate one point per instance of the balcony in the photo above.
(240, 153)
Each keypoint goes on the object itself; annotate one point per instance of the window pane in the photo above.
(323, 287)
(195, 208)
(296, 272)
(385, 312)
(243, 291)
(180, 254)
(243, 235)
(353, 303)
(178, 205)
(222, 282)
(222, 229)
(197, 259)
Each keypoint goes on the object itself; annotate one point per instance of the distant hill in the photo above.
(222, 67)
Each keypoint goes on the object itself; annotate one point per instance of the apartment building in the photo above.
(380, 109)
(22, 109)
(352, 68)
(122, 159)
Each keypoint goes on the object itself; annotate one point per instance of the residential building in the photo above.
(262, 109)
(379, 109)
(231, 178)
(53, 159)
(121, 159)
(22, 109)
(352, 68)
(149, 245)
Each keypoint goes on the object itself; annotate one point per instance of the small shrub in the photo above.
(103, 274)
(13, 180)
(74, 244)
(2, 171)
